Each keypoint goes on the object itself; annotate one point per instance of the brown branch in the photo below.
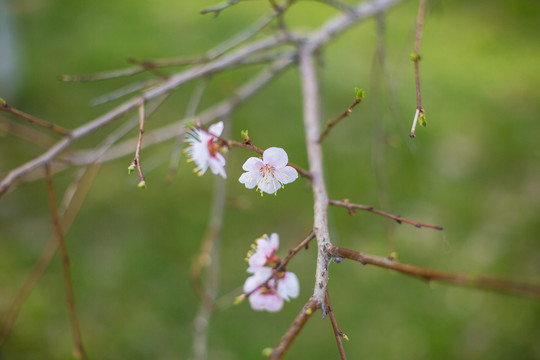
(353, 207)
(281, 266)
(343, 115)
(137, 160)
(75, 328)
(71, 204)
(337, 331)
(479, 282)
(32, 119)
(28, 134)
(416, 59)
(295, 328)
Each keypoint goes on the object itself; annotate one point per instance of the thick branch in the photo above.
(480, 282)
(310, 92)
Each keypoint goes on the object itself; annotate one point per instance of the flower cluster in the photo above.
(269, 173)
(268, 295)
(204, 149)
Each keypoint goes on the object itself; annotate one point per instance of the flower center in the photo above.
(268, 169)
(213, 147)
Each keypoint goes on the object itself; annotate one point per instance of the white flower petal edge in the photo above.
(270, 173)
(204, 151)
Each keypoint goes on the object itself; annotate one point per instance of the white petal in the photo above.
(250, 179)
(269, 184)
(258, 259)
(286, 175)
(216, 129)
(273, 302)
(276, 157)
(217, 164)
(274, 241)
(253, 164)
(288, 286)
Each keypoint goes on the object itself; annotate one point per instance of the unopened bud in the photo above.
(142, 184)
(267, 352)
(239, 299)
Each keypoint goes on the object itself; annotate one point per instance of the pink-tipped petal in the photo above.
(276, 157)
(274, 241)
(216, 129)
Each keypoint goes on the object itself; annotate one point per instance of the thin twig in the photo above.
(297, 325)
(137, 160)
(26, 133)
(75, 328)
(416, 59)
(337, 331)
(219, 8)
(473, 281)
(69, 208)
(190, 113)
(340, 117)
(32, 119)
(352, 207)
(338, 5)
(281, 266)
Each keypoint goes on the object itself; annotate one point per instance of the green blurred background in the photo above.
(475, 170)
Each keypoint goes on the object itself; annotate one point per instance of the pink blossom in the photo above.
(270, 297)
(204, 150)
(269, 173)
(263, 253)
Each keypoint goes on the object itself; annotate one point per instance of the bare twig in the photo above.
(340, 117)
(219, 8)
(26, 133)
(473, 281)
(416, 59)
(352, 207)
(337, 331)
(71, 204)
(190, 113)
(295, 328)
(32, 119)
(75, 328)
(338, 5)
(137, 160)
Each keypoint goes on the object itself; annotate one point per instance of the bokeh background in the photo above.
(475, 170)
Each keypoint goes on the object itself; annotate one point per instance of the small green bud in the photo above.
(267, 352)
(131, 168)
(3, 102)
(415, 57)
(359, 93)
(422, 119)
(344, 336)
(239, 299)
(142, 184)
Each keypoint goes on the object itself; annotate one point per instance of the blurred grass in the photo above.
(474, 170)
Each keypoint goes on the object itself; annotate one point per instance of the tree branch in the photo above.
(352, 207)
(32, 119)
(295, 328)
(75, 328)
(479, 282)
(337, 331)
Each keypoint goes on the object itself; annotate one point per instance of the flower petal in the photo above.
(217, 164)
(250, 179)
(286, 175)
(269, 184)
(288, 286)
(276, 157)
(274, 241)
(253, 164)
(216, 129)
(270, 302)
